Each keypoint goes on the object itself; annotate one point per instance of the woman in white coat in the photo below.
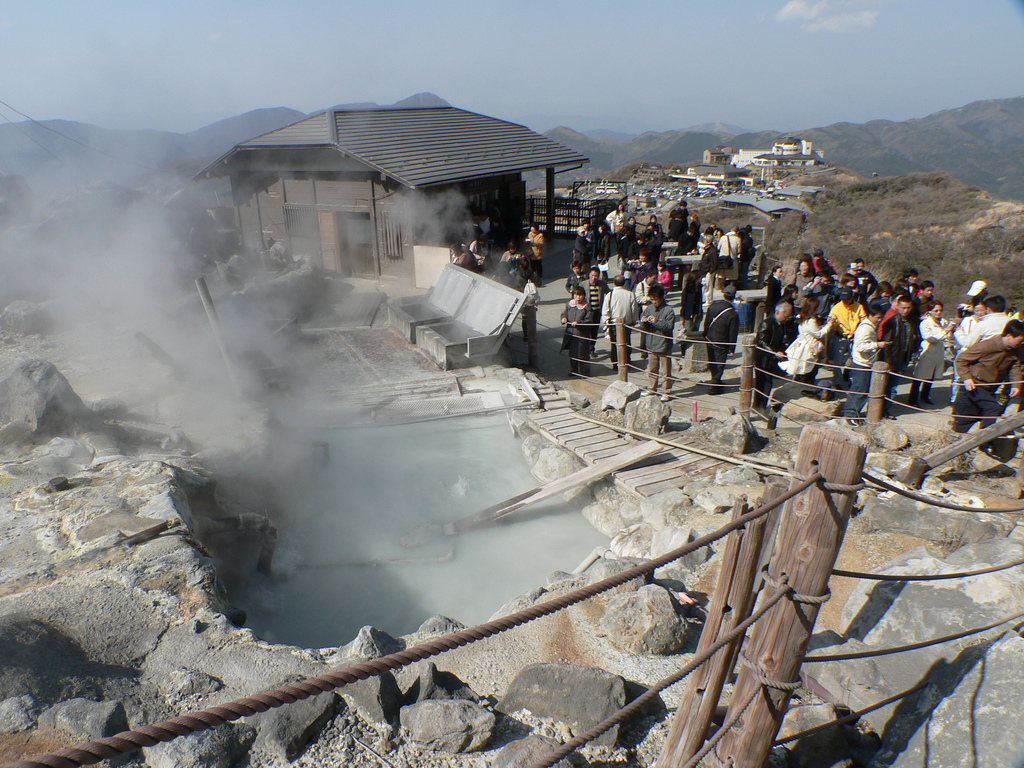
(804, 354)
(932, 362)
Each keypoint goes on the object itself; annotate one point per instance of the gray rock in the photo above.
(451, 725)
(518, 603)
(108, 408)
(739, 475)
(645, 622)
(285, 731)
(580, 697)
(24, 318)
(554, 463)
(811, 410)
(604, 567)
(668, 508)
(887, 463)
(533, 444)
(372, 643)
(618, 394)
(667, 539)
(520, 423)
(648, 415)
(736, 435)
(970, 714)
(576, 400)
(523, 753)
(38, 394)
(86, 719)
(604, 518)
(219, 747)
(720, 499)
(18, 713)
(633, 541)
(432, 683)
(827, 748)
(889, 437)
(377, 699)
(912, 518)
(181, 683)
(438, 625)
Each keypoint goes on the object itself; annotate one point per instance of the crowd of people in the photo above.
(823, 322)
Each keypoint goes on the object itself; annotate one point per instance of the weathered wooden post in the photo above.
(747, 346)
(530, 325)
(731, 606)
(876, 392)
(810, 533)
(914, 473)
(622, 348)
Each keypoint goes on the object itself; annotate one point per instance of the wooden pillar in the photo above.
(810, 533)
(622, 348)
(374, 234)
(913, 474)
(549, 201)
(747, 347)
(731, 606)
(530, 329)
(758, 315)
(876, 392)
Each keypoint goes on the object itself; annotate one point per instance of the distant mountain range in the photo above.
(981, 143)
(57, 156)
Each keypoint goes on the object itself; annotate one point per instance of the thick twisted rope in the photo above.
(126, 742)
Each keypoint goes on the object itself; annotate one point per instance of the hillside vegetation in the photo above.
(952, 233)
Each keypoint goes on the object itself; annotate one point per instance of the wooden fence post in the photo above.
(877, 391)
(810, 534)
(731, 606)
(747, 346)
(622, 348)
(530, 330)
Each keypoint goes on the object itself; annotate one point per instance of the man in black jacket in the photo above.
(774, 336)
(896, 330)
(721, 328)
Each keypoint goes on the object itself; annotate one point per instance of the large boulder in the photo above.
(736, 435)
(86, 719)
(219, 747)
(618, 394)
(605, 567)
(970, 714)
(23, 318)
(580, 697)
(889, 437)
(285, 731)
(554, 463)
(719, 499)
(523, 753)
(666, 509)
(633, 541)
(923, 521)
(372, 643)
(18, 713)
(887, 614)
(645, 622)
(377, 699)
(37, 394)
(611, 510)
(648, 415)
(450, 725)
(811, 410)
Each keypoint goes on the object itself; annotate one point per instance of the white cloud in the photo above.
(827, 15)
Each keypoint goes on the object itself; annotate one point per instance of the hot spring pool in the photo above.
(344, 566)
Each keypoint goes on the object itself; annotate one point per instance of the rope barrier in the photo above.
(874, 652)
(936, 502)
(929, 577)
(641, 701)
(908, 406)
(126, 742)
(850, 717)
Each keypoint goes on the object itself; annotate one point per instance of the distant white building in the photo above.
(789, 152)
(715, 176)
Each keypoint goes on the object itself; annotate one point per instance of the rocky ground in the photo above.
(134, 487)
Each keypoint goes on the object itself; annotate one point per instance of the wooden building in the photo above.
(369, 192)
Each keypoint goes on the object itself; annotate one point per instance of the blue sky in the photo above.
(645, 65)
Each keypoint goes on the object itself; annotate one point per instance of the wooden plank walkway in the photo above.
(667, 469)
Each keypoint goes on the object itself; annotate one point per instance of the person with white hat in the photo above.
(977, 291)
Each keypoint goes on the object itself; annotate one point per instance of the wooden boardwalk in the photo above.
(668, 469)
